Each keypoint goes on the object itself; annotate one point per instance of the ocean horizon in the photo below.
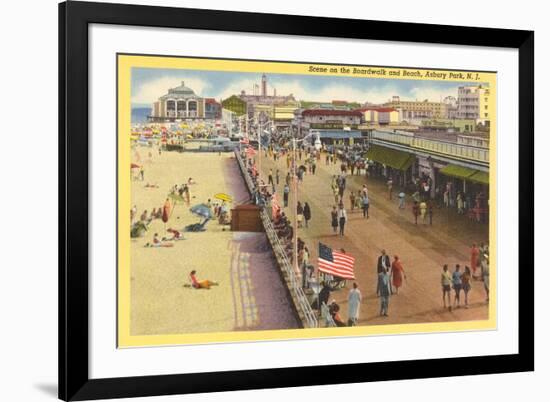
(139, 114)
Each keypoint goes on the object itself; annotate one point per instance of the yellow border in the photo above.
(125, 64)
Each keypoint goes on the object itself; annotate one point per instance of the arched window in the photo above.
(192, 108)
(181, 108)
(171, 108)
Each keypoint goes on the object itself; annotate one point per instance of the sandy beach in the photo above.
(245, 299)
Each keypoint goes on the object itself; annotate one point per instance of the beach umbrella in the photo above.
(202, 210)
(223, 197)
(166, 212)
(134, 166)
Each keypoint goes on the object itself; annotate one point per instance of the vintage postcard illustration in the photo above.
(262, 200)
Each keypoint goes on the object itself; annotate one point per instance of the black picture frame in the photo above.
(74, 18)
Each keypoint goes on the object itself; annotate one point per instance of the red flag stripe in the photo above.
(324, 265)
(343, 259)
(343, 256)
(343, 264)
(338, 261)
(346, 262)
(338, 264)
(335, 267)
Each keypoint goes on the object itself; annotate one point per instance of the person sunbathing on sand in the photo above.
(159, 243)
(204, 284)
(176, 235)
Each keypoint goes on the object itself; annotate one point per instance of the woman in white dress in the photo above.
(354, 303)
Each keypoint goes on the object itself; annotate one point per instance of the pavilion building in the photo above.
(179, 103)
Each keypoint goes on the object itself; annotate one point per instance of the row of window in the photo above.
(171, 105)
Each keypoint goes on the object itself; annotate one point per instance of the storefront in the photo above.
(472, 184)
(340, 137)
(391, 163)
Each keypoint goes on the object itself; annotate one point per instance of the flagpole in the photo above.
(318, 293)
(259, 155)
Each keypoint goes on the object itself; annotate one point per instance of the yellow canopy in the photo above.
(223, 197)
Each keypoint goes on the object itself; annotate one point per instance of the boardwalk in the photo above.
(422, 248)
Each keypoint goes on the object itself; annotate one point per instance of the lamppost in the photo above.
(317, 146)
(259, 136)
(259, 126)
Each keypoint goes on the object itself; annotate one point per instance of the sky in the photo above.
(148, 84)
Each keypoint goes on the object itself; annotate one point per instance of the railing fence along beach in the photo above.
(307, 315)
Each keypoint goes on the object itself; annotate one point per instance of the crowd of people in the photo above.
(390, 272)
(460, 281)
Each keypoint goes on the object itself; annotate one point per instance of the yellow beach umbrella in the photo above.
(223, 197)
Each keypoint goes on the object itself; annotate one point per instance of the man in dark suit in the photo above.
(383, 265)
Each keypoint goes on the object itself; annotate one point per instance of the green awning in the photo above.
(459, 172)
(390, 157)
(480, 177)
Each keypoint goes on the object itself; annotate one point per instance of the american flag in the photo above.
(334, 263)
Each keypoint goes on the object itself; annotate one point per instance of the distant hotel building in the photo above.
(414, 110)
(182, 103)
(473, 103)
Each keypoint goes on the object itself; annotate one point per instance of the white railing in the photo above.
(293, 281)
(462, 151)
(244, 171)
(393, 137)
(457, 150)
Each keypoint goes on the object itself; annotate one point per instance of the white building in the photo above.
(179, 103)
(380, 115)
(452, 107)
(328, 117)
(473, 103)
